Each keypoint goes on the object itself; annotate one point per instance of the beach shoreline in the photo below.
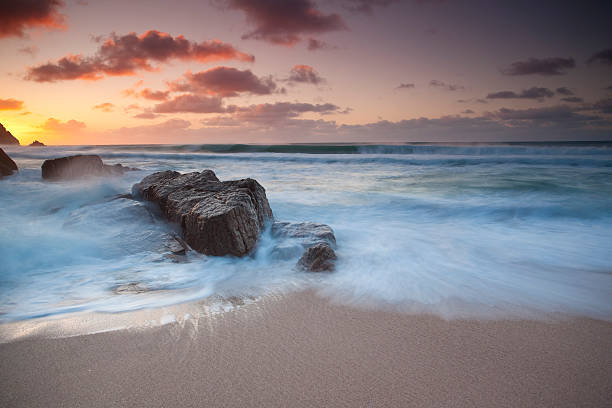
(303, 350)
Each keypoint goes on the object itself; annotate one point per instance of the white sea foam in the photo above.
(458, 231)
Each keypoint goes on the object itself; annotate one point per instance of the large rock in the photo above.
(74, 167)
(315, 241)
(217, 218)
(6, 138)
(36, 143)
(7, 165)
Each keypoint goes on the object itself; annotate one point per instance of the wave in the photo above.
(533, 148)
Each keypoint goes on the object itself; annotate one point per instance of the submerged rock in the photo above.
(74, 167)
(317, 241)
(217, 218)
(318, 258)
(6, 138)
(130, 288)
(7, 165)
(36, 143)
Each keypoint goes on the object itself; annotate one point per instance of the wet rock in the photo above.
(7, 165)
(176, 245)
(318, 258)
(36, 143)
(316, 241)
(130, 288)
(308, 233)
(217, 218)
(79, 166)
(6, 138)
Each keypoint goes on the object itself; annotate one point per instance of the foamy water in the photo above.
(454, 230)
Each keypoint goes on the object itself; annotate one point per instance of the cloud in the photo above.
(269, 113)
(468, 112)
(146, 115)
(602, 57)
(10, 104)
(225, 82)
(366, 6)
(54, 125)
(305, 74)
(190, 103)
(449, 87)
(285, 21)
(31, 50)
(609, 88)
(147, 93)
(565, 91)
(314, 44)
(131, 53)
(531, 93)
(405, 86)
(540, 66)
(561, 115)
(19, 15)
(603, 106)
(573, 99)
(104, 107)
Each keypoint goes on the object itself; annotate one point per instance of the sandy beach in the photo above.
(301, 350)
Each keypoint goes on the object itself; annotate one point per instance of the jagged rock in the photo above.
(317, 241)
(308, 233)
(318, 258)
(217, 218)
(36, 143)
(74, 167)
(7, 165)
(6, 138)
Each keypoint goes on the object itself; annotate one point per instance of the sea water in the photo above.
(456, 230)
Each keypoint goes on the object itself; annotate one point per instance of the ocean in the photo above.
(465, 230)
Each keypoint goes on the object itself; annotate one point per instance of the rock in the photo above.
(7, 165)
(317, 242)
(36, 143)
(74, 167)
(130, 288)
(318, 258)
(176, 245)
(6, 138)
(308, 233)
(217, 218)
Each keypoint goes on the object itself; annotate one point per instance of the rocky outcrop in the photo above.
(217, 217)
(6, 138)
(36, 143)
(318, 258)
(74, 167)
(7, 165)
(316, 241)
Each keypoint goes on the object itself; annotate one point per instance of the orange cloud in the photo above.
(54, 125)
(131, 53)
(17, 16)
(10, 104)
(104, 107)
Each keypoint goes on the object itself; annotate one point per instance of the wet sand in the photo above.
(302, 351)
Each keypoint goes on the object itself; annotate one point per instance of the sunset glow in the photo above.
(111, 72)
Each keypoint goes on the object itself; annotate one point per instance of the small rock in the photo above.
(36, 143)
(79, 166)
(132, 287)
(318, 258)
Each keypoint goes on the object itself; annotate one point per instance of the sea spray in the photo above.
(456, 230)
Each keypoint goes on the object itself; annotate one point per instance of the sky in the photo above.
(305, 71)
